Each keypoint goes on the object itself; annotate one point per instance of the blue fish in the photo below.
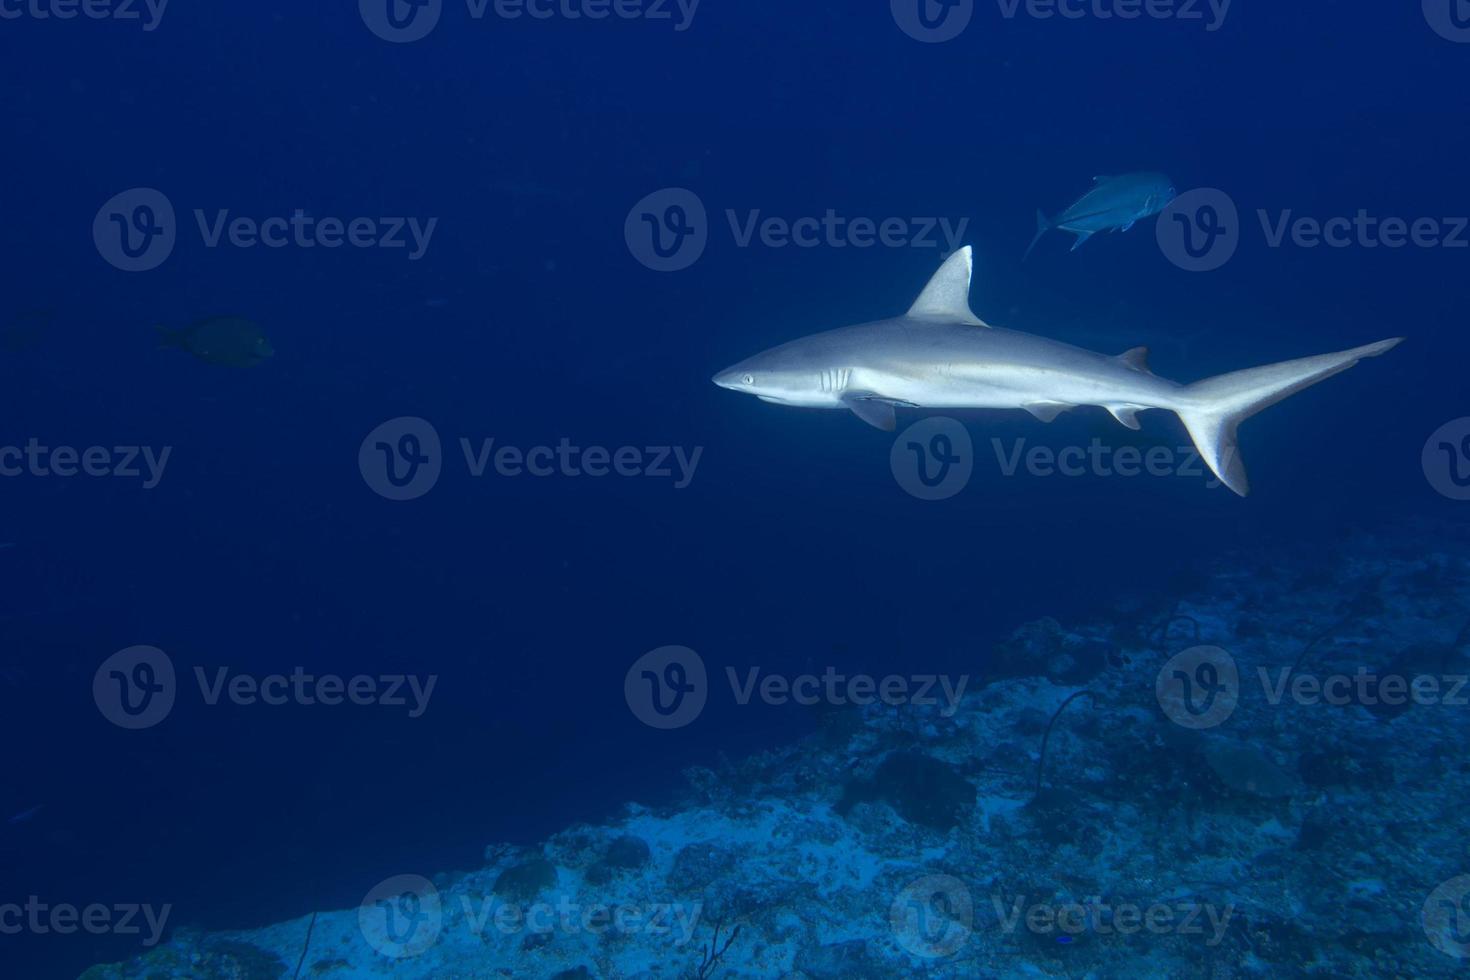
(1113, 204)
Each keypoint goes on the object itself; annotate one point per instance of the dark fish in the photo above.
(229, 341)
(1434, 661)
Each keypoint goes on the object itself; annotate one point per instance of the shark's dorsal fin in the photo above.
(1137, 359)
(947, 297)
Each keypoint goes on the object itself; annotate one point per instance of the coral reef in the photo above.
(1301, 832)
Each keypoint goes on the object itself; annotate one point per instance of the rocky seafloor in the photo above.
(1263, 774)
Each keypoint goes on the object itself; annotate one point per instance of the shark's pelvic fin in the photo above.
(1212, 409)
(1047, 411)
(947, 297)
(878, 414)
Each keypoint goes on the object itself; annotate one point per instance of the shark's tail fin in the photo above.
(1212, 409)
(1043, 225)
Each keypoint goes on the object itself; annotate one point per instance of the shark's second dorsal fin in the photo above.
(1137, 359)
(947, 297)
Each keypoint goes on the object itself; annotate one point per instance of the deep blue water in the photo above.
(528, 319)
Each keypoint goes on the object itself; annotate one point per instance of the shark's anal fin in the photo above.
(1082, 237)
(878, 414)
(947, 297)
(1126, 414)
(1047, 411)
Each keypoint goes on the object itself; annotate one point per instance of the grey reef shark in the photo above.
(940, 355)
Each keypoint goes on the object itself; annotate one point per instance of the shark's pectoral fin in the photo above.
(878, 414)
(1126, 414)
(1047, 411)
(1082, 237)
(1129, 225)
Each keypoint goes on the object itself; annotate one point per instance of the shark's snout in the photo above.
(734, 379)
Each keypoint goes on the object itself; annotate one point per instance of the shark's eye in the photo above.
(747, 379)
